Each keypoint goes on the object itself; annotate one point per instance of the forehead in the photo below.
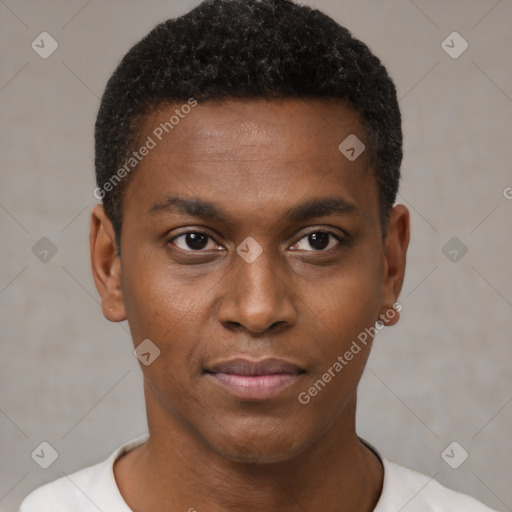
(222, 129)
(250, 154)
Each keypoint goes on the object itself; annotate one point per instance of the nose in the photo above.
(257, 296)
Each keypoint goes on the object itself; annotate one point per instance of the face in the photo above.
(252, 257)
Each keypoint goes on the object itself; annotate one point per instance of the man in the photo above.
(248, 158)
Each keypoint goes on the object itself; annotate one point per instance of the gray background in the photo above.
(442, 374)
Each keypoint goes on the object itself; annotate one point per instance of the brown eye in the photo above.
(317, 241)
(193, 241)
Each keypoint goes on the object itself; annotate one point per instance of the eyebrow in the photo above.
(196, 207)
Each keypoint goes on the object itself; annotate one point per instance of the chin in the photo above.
(261, 446)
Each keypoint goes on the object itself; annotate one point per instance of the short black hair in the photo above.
(247, 49)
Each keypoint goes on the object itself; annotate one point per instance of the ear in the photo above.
(396, 244)
(106, 266)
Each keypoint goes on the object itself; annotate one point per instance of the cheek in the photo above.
(163, 310)
(349, 311)
(156, 303)
(172, 309)
(348, 300)
(344, 309)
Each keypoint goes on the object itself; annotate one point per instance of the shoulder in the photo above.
(64, 494)
(87, 490)
(408, 490)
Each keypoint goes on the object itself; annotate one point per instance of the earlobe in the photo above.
(390, 316)
(397, 242)
(106, 265)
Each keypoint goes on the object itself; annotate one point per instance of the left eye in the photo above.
(318, 240)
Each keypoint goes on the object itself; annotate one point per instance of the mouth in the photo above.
(254, 380)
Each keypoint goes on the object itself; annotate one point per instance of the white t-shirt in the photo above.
(94, 488)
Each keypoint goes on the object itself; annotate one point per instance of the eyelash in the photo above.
(341, 240)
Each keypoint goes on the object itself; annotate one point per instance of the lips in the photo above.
(251, 380)
(241, 366)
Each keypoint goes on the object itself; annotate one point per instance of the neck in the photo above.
(176, 467)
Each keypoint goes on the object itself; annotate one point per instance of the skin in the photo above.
(299, 301)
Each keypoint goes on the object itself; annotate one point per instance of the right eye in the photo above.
(193, 241)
